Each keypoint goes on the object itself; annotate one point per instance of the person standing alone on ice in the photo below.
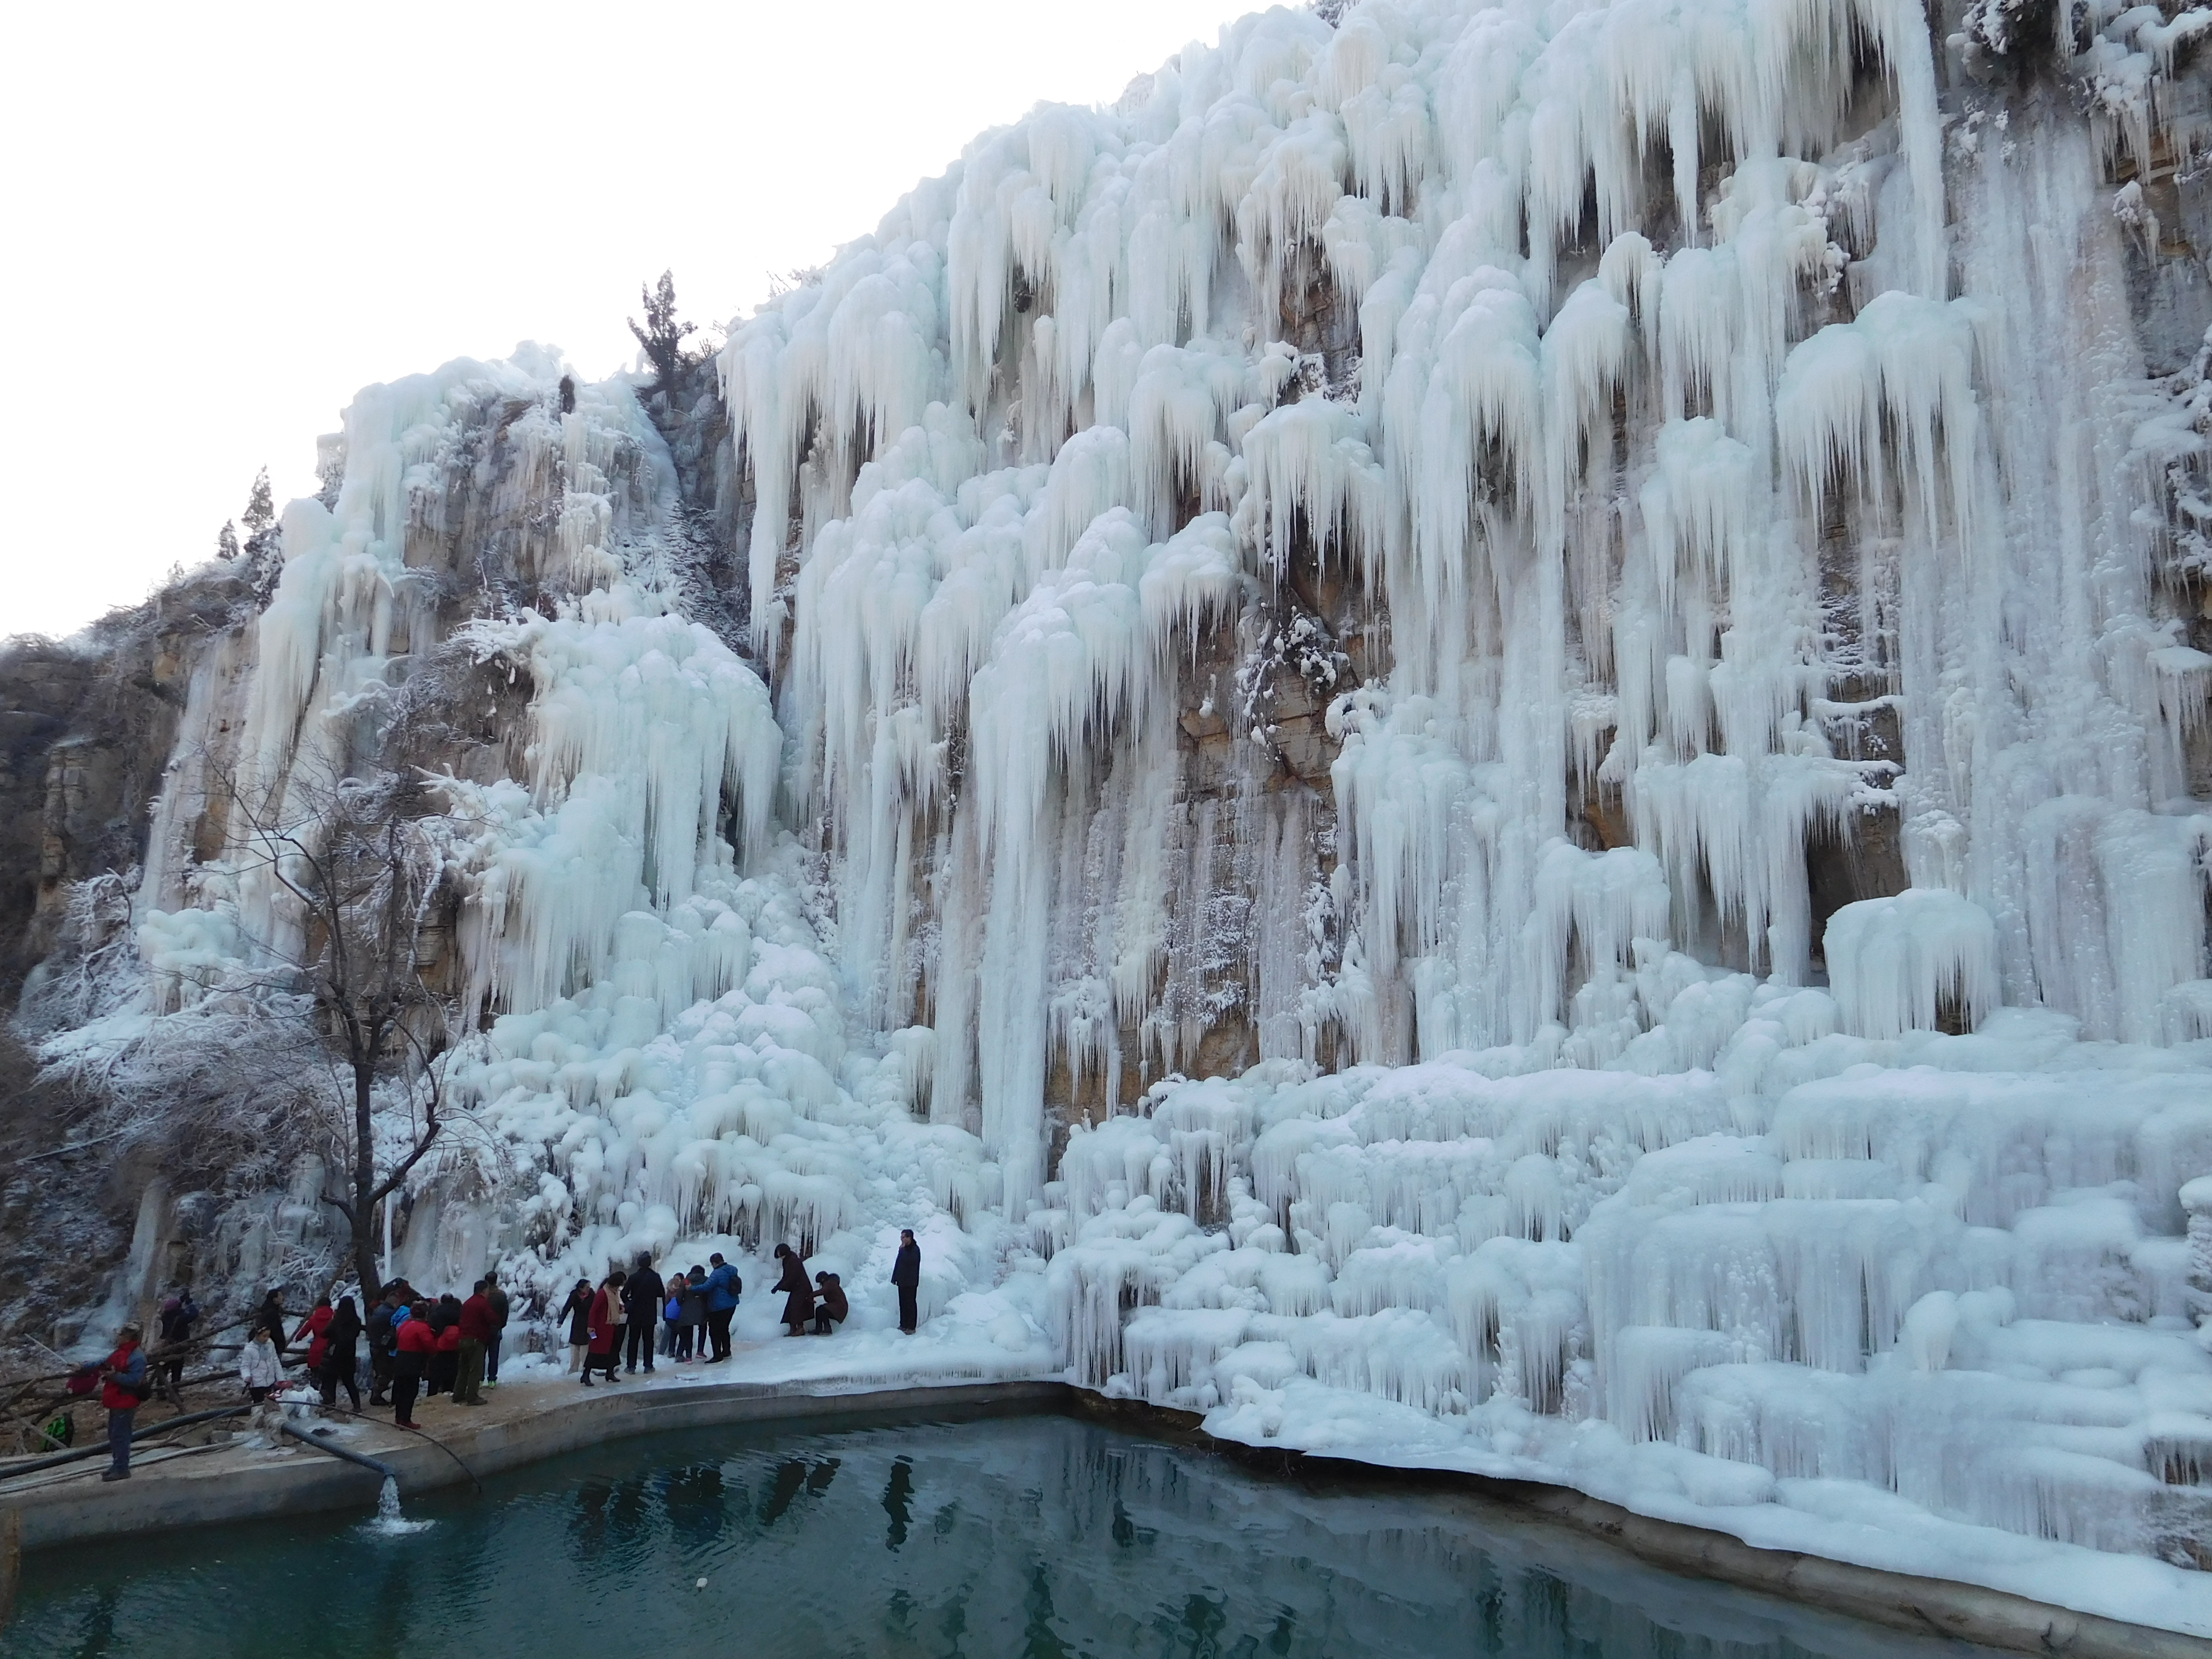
(798, 1289)
(642, 1297)
(476, 1340)
(906, 1275)
(723, 1287)
(126, 1390)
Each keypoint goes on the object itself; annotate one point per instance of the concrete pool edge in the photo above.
(71, 1513)
(1939, 1607)
(310, 1484)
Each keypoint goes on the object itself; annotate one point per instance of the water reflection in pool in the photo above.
(1034, 1537)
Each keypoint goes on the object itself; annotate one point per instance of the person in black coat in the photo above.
(341, 1338)
(270, 1318)
(798, 1290)
(692, 1328)
(379, 1332)
(577, 1310)
(643, 1295)
(834, 1307)
(906, 1273)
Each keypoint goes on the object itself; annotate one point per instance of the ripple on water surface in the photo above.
(1034, 1537)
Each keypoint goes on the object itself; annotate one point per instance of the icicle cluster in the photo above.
(1749, 495)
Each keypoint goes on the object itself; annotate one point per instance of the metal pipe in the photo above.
(100, 1448)
(335, 1450)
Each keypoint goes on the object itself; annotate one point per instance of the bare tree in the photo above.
(358, 876)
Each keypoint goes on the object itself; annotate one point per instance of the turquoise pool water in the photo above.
(1036, 1536)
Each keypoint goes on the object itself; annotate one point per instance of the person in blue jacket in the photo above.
(723, 1287)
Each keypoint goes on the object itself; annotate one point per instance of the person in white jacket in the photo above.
(258, 1367)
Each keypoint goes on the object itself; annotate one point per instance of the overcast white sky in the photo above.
(221, 220)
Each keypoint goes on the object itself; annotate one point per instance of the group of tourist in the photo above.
(634, 1316)
(421, 1345)
(331, 1335)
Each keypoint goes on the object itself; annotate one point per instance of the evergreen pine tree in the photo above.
(662, 336)
(226, 541)
(260, 506)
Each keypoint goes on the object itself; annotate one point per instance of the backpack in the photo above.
(63, 1429)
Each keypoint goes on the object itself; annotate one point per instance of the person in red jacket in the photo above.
(416, 1343)
(446, 1362)
(606, 1328)
(125, 1371)
(311, 1333)
(475, 1329)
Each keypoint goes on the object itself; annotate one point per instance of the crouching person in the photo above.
(830, 1307)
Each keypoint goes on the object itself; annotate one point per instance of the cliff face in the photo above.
(86, 731)
(1472, 720)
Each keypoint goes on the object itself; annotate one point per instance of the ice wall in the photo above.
(1590, 614)
(1729, 489)
(1744, 445)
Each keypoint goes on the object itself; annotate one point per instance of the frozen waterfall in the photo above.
(1477, 736)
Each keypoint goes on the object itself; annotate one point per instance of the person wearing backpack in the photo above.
(125, 1391)
(672, 1345)
(179, 1313)
(723, 1287)
(379, 1332)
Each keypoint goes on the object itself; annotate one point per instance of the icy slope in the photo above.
(1596, 609)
